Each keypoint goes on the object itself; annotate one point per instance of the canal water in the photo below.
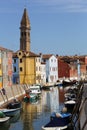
(34, 116)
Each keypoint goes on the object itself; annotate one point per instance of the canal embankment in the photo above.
(9, 93)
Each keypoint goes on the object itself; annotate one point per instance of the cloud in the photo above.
(63, 5)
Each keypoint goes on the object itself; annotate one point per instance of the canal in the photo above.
(34, 116)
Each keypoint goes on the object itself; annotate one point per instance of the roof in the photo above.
(5, 49)
(25, 54)
(46, 56)
(25, 22)
(70, 59)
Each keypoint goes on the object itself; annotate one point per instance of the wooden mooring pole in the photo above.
(2, 96)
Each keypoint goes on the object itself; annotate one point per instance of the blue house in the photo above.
(15, 77)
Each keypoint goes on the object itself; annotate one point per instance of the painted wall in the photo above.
(28, 72)
(63, 69)
(38, 70)
(15, 77)
(43, 73)
(51, 69)
(7, 68)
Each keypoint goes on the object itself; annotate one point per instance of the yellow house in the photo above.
(27, 67)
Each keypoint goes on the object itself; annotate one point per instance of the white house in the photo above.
(43, 73)
(40, 71)
(51, 67)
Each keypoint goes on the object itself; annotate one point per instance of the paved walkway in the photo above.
(83, 113)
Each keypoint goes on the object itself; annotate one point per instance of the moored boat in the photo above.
(58, 121)
(11, 112)
(12, 108)
(35, 89)
(58, 84)
(30, 98)
(47, 86)
(70, 105)
(3, 118)
(14, 104)
(68, 82)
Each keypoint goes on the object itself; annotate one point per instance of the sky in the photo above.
(57, 26)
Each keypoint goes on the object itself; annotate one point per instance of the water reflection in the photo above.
(30, 112)
(33, 116)
(15, 118)
(5, 126)
(36, 115)
(51, 100)
(61, 95)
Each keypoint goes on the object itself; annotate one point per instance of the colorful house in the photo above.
(40, 71)
(5, 67)
(27, 67)
(43, 73)
(15, 77)
(51, 67)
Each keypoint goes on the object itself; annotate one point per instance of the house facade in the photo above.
(38, 70)
(43, 73)
(51, 68)
(15, 77)
(5, 67)
(27, 67)
(63, 69)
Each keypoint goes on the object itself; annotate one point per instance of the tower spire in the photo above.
(25, 32)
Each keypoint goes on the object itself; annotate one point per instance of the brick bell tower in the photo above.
(25, 32)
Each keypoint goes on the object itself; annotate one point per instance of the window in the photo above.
(44, 60)
(14, 69)
(39, 59)
(55, 60)
(51, 60)
(14, 60)
(25, 34)
(52, 78)
(19, 53)
(20, 60)
(20, 68)
(22, 34)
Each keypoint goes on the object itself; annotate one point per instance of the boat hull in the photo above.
(70, 105)
(4, 119)
(58, 121)
(11, 112)
(14, 105)
(54, 128)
